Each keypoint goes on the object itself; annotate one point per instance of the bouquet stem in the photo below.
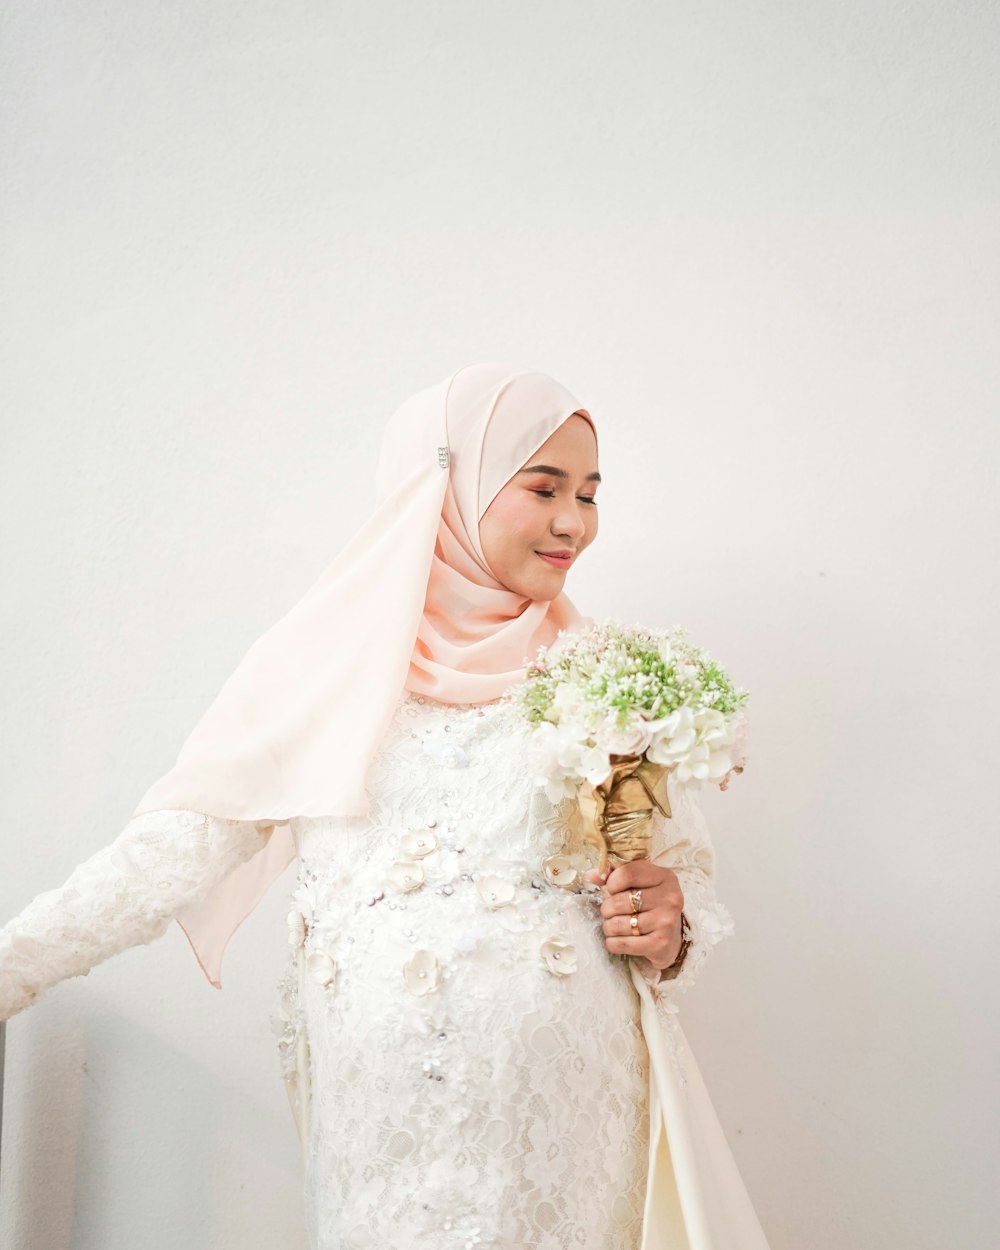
(618, 812)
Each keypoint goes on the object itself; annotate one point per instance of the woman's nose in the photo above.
(569, 525)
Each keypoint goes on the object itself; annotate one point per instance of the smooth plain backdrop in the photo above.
(759, 241)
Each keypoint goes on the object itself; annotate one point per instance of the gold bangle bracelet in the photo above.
(668, 974)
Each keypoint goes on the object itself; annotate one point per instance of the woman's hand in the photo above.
(724, 783)
(658, 937)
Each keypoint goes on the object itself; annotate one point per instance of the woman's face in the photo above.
(547, 506)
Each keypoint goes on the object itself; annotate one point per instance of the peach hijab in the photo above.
(409, 603)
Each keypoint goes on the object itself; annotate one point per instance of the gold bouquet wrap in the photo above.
(617, 814)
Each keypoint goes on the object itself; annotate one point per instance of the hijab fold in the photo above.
(409, 603)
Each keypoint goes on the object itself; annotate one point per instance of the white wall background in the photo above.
(759, 240)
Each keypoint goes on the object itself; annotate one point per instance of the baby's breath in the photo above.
(624, 688)
(621, 669)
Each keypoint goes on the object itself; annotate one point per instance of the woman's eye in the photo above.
(550, 494)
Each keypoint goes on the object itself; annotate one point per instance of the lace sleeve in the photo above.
(124, 895)
(684, 844)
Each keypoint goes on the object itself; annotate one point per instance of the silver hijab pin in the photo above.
(444, 456)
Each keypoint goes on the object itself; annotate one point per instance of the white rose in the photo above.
(632, 740)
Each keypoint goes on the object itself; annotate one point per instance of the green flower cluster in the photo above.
(617, 671)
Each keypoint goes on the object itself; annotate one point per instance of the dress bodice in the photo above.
(447, 952)
(455, 818)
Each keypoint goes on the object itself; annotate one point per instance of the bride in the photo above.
(478, 1031)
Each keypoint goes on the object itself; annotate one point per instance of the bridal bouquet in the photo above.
(615, 709)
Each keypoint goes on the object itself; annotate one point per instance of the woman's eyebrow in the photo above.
(554, 472)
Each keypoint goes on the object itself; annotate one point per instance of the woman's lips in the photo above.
(557, 562)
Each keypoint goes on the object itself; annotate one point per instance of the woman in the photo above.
(470, 1060)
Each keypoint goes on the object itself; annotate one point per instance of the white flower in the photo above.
(633, 740)
(577, 692)
(673, 736)
(321, 967)
(495, 891)
(560, 756)
(422, 973)
(406, 875)
(711, 727)
(559, 957)
(418, 842)
(697, 743)
(596, 765)
(559, 871)
(306, 899)
(296, 923)
(558, 748)
(568, 701)
(557, 788)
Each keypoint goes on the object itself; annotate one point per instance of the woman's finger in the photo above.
(640, 873)
(621, 926)
(659, 946)
(650, 946)
(667, 894)
(621, 904)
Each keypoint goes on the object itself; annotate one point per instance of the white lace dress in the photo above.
(466, 1062)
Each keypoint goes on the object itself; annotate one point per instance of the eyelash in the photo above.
(551, 494)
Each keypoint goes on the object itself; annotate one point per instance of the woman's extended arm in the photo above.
(124, 895)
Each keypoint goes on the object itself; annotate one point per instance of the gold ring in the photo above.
(634, 922)
(635, 898)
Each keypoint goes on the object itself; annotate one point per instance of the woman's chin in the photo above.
(548, 587)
